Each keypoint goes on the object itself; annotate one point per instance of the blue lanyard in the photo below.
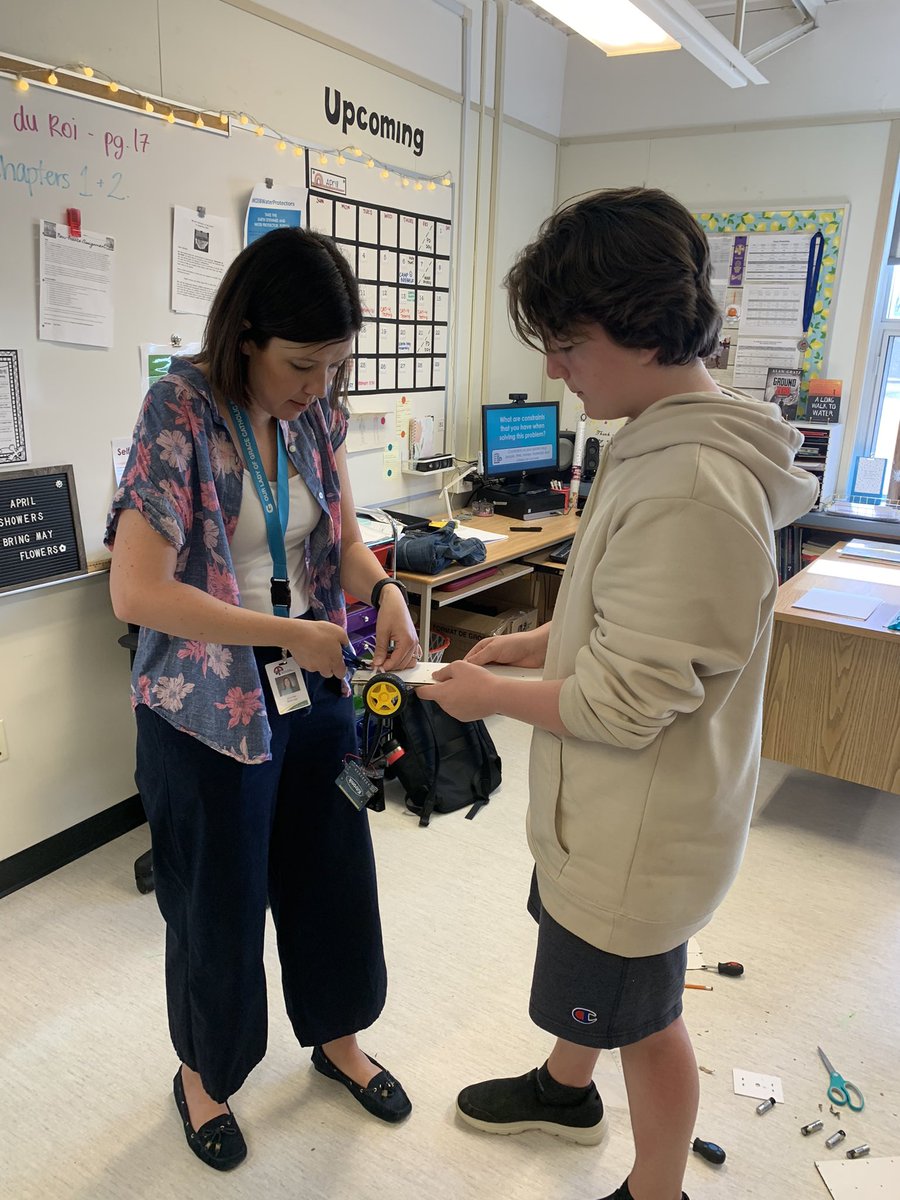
(813, 267)
(276, 515)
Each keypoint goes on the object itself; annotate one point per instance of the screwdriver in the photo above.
(726, 968)
(708, 1150)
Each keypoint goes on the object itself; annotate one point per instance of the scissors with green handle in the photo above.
(839, 1090)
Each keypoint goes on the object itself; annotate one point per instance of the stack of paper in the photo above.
(839, 604)
(881, 551)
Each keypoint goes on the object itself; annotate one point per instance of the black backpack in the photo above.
(447, 764)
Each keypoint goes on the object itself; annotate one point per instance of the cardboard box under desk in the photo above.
(465, 627)
(537, 591)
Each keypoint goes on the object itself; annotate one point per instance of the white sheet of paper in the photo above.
(368, 225)
(12, 417)
(76, 286)
(202, 250)
(721, 248)
(753, 356)
(422, 672)
(757, 1085)
(321, 214)
(777, 256)
(694, 955)
(861, 1178)
(465, 530)
(484, 535)
(121, 448)
(773, 309)
(345, 221)
(366, 431)
(839, 604)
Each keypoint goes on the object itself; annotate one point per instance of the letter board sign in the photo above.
(40, 531)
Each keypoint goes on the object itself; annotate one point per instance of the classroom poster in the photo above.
(272, 207)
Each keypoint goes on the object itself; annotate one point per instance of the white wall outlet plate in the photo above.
(760, 1087)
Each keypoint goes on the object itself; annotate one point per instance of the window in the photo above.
(880, 436)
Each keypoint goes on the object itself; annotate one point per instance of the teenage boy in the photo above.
(645, 751)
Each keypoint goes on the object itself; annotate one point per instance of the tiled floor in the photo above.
(86, 1107)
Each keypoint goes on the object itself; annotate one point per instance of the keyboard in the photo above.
(560, 553)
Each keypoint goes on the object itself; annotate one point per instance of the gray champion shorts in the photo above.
(597, 999)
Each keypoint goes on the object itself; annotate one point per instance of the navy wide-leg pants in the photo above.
(228, 836)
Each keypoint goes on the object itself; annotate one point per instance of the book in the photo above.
(783, 388)
(823, 401)
(421, 438)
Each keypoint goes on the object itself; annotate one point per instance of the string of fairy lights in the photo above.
(85, 80)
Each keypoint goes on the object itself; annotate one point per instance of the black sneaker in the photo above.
(518, 1105)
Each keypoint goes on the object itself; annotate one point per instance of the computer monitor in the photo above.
(519, 440)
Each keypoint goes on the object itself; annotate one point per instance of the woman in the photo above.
(214, 562)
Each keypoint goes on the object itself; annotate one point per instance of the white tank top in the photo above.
(250, 547)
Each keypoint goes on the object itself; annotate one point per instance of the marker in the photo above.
(526, 529)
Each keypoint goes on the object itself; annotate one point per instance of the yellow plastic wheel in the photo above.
(384, 695)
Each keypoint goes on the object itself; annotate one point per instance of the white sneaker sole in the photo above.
(589, 1136)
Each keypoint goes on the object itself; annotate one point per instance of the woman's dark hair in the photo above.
(290, 283)
(633, 260)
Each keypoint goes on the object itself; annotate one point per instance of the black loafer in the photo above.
(383, 1096)
(218, 1142)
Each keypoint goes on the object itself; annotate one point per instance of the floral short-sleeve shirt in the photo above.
(185, 476)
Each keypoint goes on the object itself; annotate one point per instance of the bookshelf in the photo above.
(820, 455)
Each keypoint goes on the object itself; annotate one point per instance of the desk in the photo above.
(838, 525)
(508, 555)
(833, 686)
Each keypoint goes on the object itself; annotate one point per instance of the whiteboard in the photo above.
(125, 171)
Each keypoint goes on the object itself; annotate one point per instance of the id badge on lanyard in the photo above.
(285, 676)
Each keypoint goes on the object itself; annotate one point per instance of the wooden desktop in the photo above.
(833, 686)
(508, 556)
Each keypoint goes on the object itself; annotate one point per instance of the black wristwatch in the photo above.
(379, 587)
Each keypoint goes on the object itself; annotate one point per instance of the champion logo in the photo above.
(584, 1016)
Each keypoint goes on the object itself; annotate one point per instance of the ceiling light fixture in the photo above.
(616, 26)
(621, 27)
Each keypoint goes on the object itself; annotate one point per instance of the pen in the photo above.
(526, 529)
(699, 987)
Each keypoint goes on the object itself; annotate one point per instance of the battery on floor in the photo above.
(859, 1151)
(837, 1136)
(812, 1127)
(766, 1105)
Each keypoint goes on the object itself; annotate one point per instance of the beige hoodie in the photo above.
(638, 820)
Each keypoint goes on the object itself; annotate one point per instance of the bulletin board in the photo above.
(127, 172)
(761, 269)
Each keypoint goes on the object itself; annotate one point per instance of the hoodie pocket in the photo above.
(544, 816)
